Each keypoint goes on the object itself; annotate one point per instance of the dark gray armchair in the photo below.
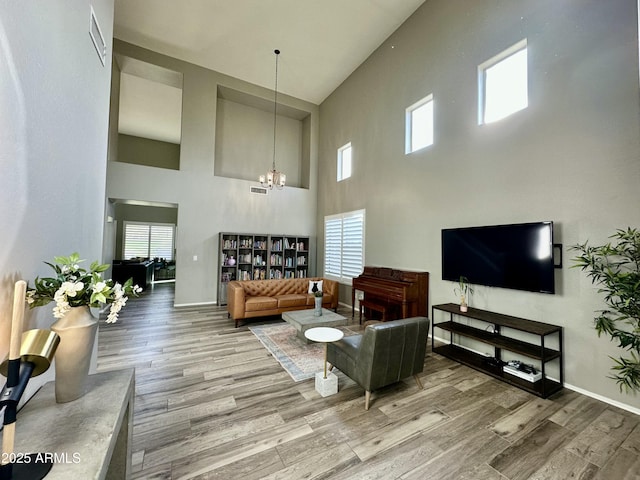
(384, 354)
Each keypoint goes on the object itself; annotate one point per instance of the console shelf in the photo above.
(494, 334)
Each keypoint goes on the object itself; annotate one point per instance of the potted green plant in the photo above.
(463, 290)
(615, 268)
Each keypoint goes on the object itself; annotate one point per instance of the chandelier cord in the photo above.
(275, 108)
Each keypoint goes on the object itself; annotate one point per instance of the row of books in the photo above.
(257, 274)
(261, 273)
(297, 246)
(276, 246)
(230, 244)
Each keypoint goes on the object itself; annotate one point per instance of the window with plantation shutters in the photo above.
(344, 245)
(147, 240)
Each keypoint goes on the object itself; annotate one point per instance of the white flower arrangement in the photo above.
(74, 286)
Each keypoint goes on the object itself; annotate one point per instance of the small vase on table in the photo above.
(317, 312)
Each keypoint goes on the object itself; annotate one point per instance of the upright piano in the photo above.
(409, 291)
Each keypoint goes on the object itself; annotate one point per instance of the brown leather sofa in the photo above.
(260, 298)
(384, 354)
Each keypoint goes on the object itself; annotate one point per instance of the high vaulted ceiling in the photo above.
(322, 41)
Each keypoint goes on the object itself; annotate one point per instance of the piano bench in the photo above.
(364, 304)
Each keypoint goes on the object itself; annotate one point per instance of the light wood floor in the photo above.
(212, 403)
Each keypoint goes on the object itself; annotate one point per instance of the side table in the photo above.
(325, 384)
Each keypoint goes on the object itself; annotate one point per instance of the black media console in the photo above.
(496, 333)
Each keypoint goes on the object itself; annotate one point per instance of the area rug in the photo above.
(300, 360)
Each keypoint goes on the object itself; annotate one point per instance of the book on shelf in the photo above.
(276, 260)
(227, 277)
(230, 244)
(275, 275)
(276, 245)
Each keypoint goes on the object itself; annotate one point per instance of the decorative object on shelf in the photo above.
(74, 290)
(77, 331)
(615, 269)
(463, 290)
(30, 354)
(274, 177)
(232, 261)
(317, 312)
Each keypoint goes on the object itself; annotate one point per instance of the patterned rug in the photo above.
(299, 359)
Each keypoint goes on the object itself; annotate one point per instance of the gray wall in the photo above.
(54, 110)
(208, 204)
(145, 151)
(572, 156)
(244, 143)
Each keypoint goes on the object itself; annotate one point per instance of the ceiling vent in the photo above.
(259, 190)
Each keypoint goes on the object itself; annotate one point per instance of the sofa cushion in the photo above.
(254, 304)
(290, 300)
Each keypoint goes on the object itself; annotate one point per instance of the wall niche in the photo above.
(150, 114)
(244, 138)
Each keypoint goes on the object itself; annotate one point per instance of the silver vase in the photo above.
(317, 312)
(77, 331)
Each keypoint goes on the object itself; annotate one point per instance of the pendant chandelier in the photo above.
(274, 178)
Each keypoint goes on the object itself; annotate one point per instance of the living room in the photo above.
(570, 157)
(516, 170)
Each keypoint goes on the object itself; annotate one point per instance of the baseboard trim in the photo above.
(582, 391)
(604, 399)
(197, 304)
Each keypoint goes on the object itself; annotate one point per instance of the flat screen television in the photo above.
(518, 256)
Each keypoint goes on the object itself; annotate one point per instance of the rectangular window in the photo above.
(503, 84)
(344, 162)
(344, 246)
(419, 125)
(147, 240)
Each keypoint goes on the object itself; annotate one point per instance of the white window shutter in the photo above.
(344, 246)
(146, 240)
(136, 240)
(332, 246)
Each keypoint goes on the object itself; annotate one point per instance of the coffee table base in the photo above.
(326, 386)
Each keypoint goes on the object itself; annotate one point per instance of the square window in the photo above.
(344, 162)
(503, 84)
(419, 125)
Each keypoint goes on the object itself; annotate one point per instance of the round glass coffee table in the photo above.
(324, 335)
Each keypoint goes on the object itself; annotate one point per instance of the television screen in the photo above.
(516, 256)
